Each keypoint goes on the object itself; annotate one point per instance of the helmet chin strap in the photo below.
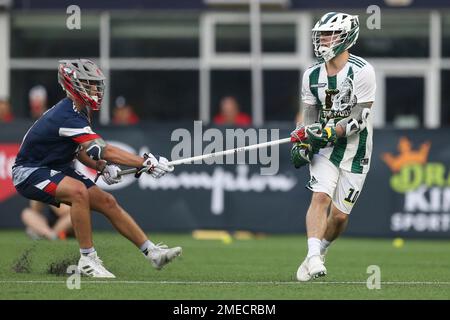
(79, 103)
(327, 53)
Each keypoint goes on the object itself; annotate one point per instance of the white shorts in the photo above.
(342, 186)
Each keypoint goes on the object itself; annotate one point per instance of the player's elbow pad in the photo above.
(95, 150)
(354, 126)
(357, 124)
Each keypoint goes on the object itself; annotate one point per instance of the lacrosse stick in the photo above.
(215, 154)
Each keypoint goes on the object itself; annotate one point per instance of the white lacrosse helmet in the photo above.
(343, 29)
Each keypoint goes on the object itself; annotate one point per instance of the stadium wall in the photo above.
(406, 193)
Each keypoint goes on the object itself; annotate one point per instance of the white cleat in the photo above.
(303, 272)
(91, 266)
(162, 255)
(316, 268)
(33, 234)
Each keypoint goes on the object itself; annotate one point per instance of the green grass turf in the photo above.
(250, 264)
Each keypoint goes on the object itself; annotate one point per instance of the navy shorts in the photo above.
(41, 184)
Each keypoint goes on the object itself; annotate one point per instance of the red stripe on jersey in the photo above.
(51, 188)
(85, 137)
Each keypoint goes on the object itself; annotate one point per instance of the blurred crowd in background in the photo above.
(180, 61)
(123, 113)
(191, 61)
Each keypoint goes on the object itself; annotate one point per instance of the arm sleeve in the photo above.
(78, 130)
(365, 84)
(310, 114)
(307, 96)
(355, 114)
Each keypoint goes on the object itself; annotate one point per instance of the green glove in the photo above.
(301, 154)
(320, 138)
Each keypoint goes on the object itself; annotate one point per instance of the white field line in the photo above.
(426, 283)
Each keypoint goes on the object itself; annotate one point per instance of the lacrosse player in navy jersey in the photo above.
(44, 171)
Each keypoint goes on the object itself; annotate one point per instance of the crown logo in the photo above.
(407, 155)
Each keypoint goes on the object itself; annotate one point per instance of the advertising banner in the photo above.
(406, 193)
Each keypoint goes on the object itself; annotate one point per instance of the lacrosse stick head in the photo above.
(345, 99)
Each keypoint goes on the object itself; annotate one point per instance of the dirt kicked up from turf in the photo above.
(212, 269)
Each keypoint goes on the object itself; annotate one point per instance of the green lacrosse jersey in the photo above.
(348, 153)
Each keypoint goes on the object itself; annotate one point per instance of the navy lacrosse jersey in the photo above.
(54, 138)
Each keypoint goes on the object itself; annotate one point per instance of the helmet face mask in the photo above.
(92, 91)
(333, 34)
(83, 81)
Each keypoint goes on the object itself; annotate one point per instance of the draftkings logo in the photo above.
(8, 152)
(424, 187)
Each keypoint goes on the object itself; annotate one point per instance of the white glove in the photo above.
(164, 164)
(156, 168)
(110, 174)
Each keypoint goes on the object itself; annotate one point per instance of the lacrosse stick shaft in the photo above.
(215, 154)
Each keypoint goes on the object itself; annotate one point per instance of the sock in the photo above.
(324, 244)
(313, 247)
(146, 247)
(86, 251)
(53, 236)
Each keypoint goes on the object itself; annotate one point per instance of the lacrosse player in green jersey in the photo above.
(335, 138)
